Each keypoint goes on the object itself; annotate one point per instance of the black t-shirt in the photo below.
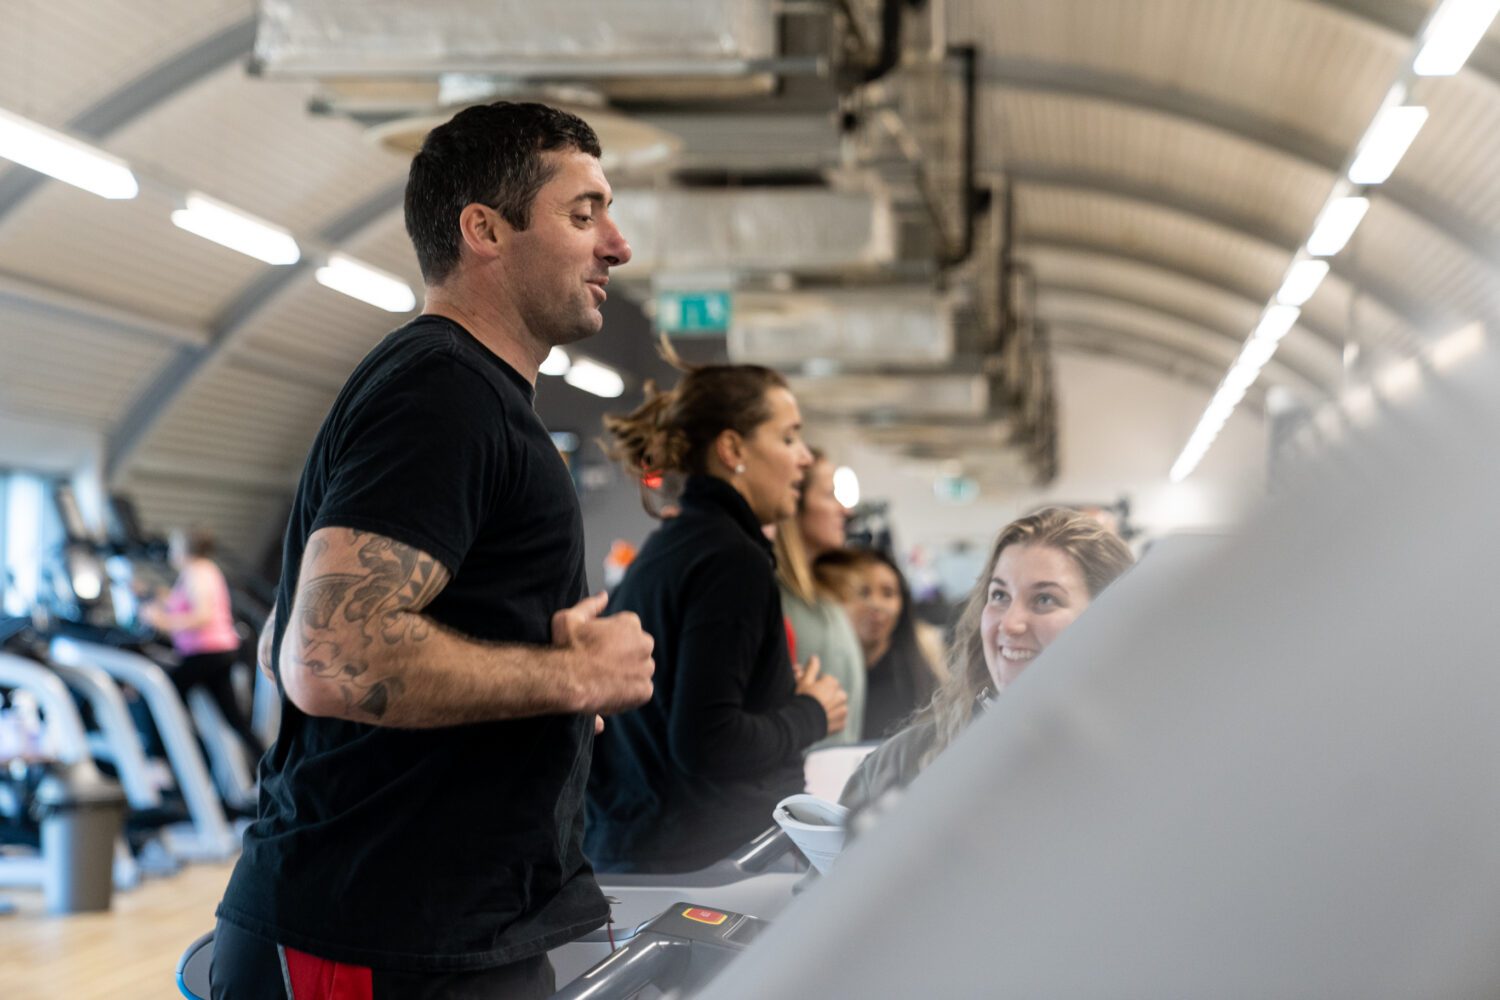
(696, 772)
(439, 849)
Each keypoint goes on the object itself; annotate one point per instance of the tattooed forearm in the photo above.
(351, 598)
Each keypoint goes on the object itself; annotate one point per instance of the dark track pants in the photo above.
(210, 671)
(246, 967)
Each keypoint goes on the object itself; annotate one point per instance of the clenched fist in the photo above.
(609, 659)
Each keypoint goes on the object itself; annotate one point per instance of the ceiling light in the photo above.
(845, 486)
(359, 280)
(1389, 136)
(64, 158)
(557, 362)
(1336, 224)
(1302, 280)
(1452, 32)
(229, 227)
(1238, 379)
(590, 376)
(1276, 323)
(1256, 352)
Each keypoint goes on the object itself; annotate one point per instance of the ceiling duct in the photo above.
(955, 397)
(520, 39)
(799, 230)
(835, 329)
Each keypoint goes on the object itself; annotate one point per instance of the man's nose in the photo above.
(614, 250)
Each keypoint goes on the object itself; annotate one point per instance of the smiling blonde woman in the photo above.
(1042, 573)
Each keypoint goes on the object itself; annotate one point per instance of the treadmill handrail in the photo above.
(629, 970)
(771, 845)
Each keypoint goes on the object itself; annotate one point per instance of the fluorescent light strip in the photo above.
(590, 376)
(1336, 224)
(359, 280)
(240, 231)
(1389, 137)
(557, 362)
(64, 158)
(1276, 323)
(1452, 33)
(1302, 281)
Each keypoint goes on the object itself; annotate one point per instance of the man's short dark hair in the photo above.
(491, 154)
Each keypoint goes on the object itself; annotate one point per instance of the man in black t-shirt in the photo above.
(421, 812)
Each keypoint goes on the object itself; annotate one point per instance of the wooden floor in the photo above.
(128, 953)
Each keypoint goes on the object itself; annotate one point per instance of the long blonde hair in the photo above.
(1100, 556)
(793, 564)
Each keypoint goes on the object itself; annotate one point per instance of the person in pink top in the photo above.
(195, 612)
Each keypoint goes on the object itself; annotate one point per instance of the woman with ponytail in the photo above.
(694, 773)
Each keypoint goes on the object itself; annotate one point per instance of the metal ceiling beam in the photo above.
(1214, 284)
(18, 294)
(136, 97)
(1117, 88)
(1232, 340)
(1111, 341)
(1411, 312)
(192, 363)
(1135, 255)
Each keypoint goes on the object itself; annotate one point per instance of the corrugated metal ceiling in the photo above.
(1185, 157)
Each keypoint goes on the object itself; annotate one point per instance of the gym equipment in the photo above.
(82, 854)
(759, 878)
(209, 836)
(680, 950)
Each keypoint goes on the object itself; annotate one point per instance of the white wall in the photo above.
(1121, 428)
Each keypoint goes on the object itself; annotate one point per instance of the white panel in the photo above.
(1199, 164)
(1301, 65)
(868, 395)
(774, 229)
(70, 373)
(851, 327)
(303, 36)
(124, 253)
(252, 143)
(233, 418)
(58, 58)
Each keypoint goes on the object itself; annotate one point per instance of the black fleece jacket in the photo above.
(695, 772)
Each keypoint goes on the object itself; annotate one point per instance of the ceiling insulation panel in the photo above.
(862, 396)
(252, 143)
(122, 253)
(753, 229)
(57, 59)
(854, 328)
(72, 373)
(1304, 66)
(341, 36)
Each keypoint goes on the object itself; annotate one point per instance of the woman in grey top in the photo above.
(820, 627)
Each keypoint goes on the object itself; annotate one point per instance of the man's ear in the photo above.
(729, 448)
(484, 231)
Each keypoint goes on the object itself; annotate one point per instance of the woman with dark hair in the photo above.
(1043, 572)
(696, 772)
(196, 614)
(815, 613)
(901, 671)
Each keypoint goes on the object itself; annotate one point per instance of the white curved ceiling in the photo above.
(1167, 157)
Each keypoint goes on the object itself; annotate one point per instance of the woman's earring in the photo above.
(739, 470)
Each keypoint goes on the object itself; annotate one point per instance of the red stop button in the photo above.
(713, 917)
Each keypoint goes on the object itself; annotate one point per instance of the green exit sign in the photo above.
(693, 312)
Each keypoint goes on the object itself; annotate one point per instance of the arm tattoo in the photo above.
(382, 602)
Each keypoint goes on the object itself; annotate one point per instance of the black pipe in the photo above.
(969, 58)
(890, 41)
